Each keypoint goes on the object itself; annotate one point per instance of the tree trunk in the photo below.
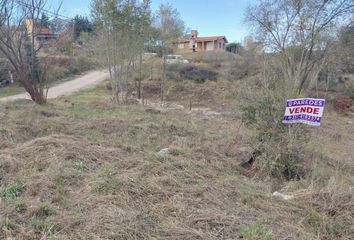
(140, 75)
(163, 79)
(36, 95)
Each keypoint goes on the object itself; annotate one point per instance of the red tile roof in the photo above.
(202, 39)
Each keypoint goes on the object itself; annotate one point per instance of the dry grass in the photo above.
(82, 168)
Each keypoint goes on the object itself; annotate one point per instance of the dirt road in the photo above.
(88, 80)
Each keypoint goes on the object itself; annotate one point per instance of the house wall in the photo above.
(179, 49)
(201, 46)
(220, 45)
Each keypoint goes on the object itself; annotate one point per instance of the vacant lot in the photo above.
(83, 168)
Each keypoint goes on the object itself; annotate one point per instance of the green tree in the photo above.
(82, 24)
(44, 21)
(234, 48)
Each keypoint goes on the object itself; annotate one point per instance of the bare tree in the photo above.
(170, 26)
(19, 25)
(120, 41)
(301, 33)
(298, 36)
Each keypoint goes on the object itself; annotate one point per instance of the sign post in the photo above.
(304, 110)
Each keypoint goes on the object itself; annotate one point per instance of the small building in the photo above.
(43, 36)
(193, 43)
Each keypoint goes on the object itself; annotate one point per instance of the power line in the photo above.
(53, 14)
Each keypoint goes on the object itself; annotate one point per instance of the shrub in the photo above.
(282, 148)
(234, 48)
(74, 69)
(190, 72)
(197, 74)
(63, 67)
(280, 154)
(242, 66)
(158, 50)
(350, 93)
(64, 46)
(59, 73)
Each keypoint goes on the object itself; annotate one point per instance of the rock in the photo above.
(248, 156)
(282, 196)
(163, 152)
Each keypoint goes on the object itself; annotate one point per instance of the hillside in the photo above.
(82, 167)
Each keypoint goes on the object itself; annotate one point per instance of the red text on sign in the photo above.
(312, 110)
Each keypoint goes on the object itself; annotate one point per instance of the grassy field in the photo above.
(10, 90)
(84, 168)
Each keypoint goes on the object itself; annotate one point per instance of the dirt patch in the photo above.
(345, 104)
(151, 90)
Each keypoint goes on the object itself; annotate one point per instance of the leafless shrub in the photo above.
(190, 72)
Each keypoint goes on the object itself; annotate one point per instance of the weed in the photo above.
(248, 194)
(174, 152)
(350, 93)
(255, 232)
(130, 148)
(44, 227)
(45, 210)
(21, 207)
(12, 191)
(39, 165)
(6, 224)
(79, 166)
(64, 177)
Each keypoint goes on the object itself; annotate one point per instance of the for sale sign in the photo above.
(304, 110)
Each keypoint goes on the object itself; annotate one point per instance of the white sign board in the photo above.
(304, 110)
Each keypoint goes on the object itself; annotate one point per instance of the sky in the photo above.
(209, 17)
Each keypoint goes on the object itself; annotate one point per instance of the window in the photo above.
(219, 44)
(181, 45)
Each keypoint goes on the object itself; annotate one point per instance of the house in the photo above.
(43, 36)
(193, 43)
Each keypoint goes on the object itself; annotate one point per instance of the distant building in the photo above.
(43, 36)
(193, 43)
(248, 42)
(250, 45)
